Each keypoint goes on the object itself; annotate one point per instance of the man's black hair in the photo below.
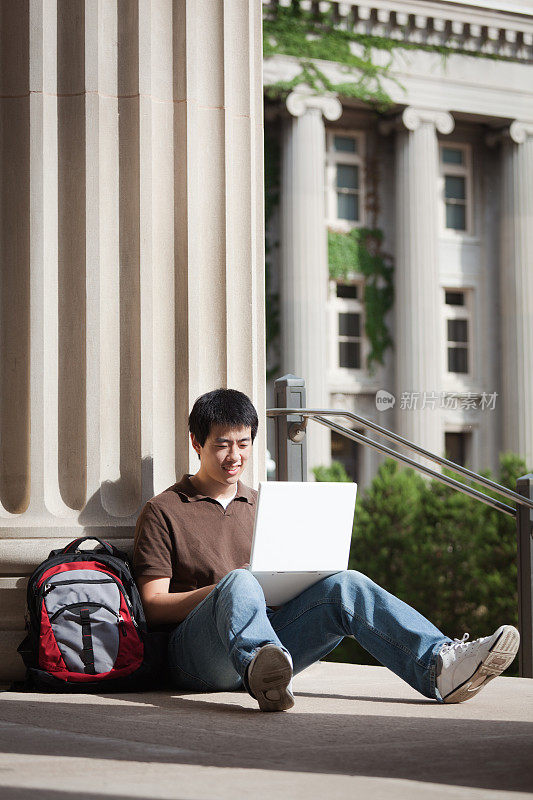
(227, 407)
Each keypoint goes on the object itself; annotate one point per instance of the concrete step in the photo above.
(355, 732)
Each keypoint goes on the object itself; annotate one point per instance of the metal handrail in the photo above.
(291, 457)
(318, 415)
(358, 437)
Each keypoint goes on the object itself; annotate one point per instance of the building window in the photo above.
(457, 447)
(348, 453)
(344, 179)
(458, 330)
(349, 325)
(456, 180)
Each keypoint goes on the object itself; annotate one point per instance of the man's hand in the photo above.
(164, 607)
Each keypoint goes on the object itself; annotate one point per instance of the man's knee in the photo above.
(240, 580)
(346, 582)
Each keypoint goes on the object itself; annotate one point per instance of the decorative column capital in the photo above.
(299, 101)
(412, 118)
(517, 132)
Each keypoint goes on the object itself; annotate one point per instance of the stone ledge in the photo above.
(11, 666)
(21, 556)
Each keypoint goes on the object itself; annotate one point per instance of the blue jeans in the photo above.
(211, 649)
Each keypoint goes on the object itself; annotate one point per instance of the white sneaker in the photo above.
(466, 667)
(270, 678)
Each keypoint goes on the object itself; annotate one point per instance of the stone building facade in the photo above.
(436, 161)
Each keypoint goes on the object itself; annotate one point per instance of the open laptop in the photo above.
(302, 533)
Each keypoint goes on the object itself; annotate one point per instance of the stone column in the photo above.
(132, 259)
(516, 289)
(418, 339)
(304, 257)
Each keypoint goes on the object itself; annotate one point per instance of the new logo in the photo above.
(384, 400)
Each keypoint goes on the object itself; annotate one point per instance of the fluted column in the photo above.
(219, 181)
(418, 343)
(132, 266)
(516, 289)
(304, 257)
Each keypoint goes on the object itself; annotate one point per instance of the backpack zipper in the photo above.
(85, 605)
(49, 586)
(120, 618)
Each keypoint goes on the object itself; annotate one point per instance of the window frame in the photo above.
(465, 312)
(357, 449)
(458, 170)
(468, 442)
(332, 159)
(345, 305)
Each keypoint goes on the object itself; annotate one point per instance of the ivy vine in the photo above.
(360, 252)
(312, 35)
(308, 36)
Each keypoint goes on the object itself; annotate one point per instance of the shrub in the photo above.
(446, 554)
(335, 473)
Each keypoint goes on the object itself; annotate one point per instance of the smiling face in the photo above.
(222, 459)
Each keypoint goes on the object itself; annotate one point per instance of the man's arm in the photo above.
(163, 607)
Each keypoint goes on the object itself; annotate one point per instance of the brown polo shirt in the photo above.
(191, 539)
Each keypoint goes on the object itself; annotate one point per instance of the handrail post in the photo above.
(291, 446)
(524, 530)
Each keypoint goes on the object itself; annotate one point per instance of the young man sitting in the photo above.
(192, 546)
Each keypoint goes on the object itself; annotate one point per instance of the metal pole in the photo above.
(291, 446)
(524, 531)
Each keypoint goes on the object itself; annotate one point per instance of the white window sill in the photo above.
(343, 225)
(466, 383)
(353, 382)
(458, 237)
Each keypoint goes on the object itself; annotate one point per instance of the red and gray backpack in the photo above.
(85, 623)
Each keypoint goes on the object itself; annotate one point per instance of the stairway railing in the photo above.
(291, 417)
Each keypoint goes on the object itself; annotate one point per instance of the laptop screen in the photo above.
(303, 526)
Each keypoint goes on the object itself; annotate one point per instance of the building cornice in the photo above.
(495, 91)
(429, 22)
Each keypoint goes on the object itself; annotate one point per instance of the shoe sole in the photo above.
(272, 672)
(500, 656)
